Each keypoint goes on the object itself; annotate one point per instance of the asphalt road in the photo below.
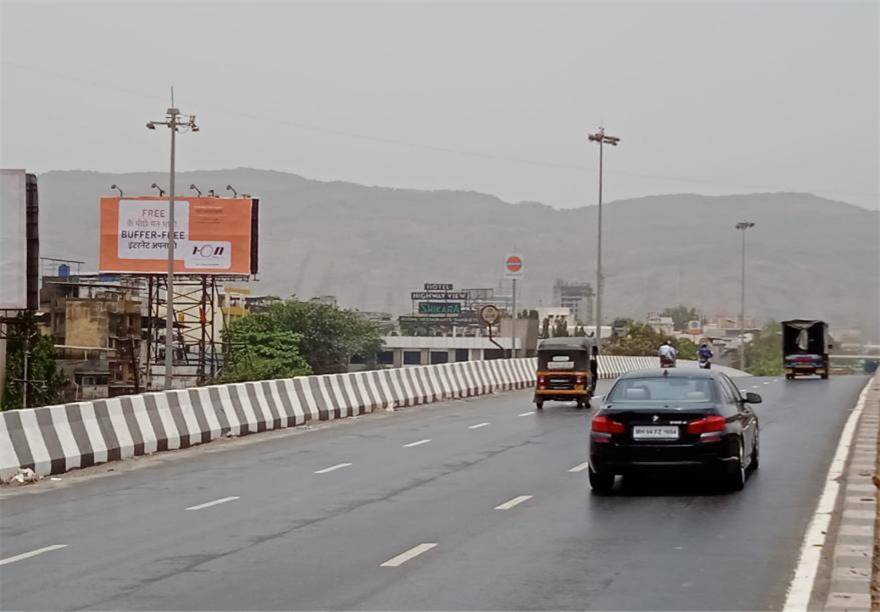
(307, 522)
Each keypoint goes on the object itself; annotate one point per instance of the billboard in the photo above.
(212, 235)
(13, 239)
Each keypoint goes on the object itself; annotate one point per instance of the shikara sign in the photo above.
(439, 308)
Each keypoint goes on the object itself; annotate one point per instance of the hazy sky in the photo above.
(496, 97)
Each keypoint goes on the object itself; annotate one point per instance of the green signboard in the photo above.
(439, 308)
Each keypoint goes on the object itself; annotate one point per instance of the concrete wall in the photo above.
(55, 439)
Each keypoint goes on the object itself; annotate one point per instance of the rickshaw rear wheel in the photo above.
(539, 404)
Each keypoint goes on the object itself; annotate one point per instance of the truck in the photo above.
(805, 346)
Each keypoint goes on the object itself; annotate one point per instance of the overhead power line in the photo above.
(436, 148)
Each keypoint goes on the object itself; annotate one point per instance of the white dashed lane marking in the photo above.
(403, 557)
(513, 502)
(32, 553)
(526, 413)
(580, 468)
(419, 443)
(222, 500)
(478, 425)
(333, 468)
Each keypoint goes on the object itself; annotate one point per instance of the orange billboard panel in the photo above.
(211, 235)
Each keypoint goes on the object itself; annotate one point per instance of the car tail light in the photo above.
(605, 425)
(579, 380)
(542, 380)
(707, 425)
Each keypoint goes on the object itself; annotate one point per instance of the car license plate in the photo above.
(655, 432)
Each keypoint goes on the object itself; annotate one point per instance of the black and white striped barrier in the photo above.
(55, 439)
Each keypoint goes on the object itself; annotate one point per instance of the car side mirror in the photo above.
(753, 398)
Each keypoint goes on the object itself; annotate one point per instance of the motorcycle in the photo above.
(705, 364)
(666, 362)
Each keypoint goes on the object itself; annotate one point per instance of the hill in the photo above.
(371, 246)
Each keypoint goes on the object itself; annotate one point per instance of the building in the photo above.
(326, 300)
(576, 296)
(97, 331)
(661, 324)
(400, 351)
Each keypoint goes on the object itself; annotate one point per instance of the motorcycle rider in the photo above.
(705, 354)
(667, 354)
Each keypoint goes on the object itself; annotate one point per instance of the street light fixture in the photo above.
(602, 138)
(232, 189)
(174, 120)
(117, 189)
(743, 226)
(161, 191)
(197, 190)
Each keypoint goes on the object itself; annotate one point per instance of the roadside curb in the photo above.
(853, 547)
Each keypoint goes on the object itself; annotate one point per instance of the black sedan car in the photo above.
(674, 419)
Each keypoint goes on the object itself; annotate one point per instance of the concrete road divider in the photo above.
(56, 439)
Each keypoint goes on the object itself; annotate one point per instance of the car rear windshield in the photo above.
(672, 389)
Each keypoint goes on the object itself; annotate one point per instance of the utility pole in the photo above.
(513, 324)
(743, 226)
(26, 379)
(174, 120)
(602, 139)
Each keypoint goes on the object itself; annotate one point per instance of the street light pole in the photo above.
(743, 226)
(174, 121)
(602, 139)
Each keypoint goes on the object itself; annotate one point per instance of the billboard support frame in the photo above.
(195, 302)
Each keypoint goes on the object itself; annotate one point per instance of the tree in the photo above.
(686, 349)
(638, 339)
(49, 381)
(681, 315)
(328, 336)
(764, 354)
(260, 350)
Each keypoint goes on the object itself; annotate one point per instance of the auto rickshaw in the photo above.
(567, 370)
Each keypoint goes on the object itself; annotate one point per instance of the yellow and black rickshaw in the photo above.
(567, 370)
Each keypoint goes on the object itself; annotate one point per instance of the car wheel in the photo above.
(753, 463)
(736, 477)
(601, 482)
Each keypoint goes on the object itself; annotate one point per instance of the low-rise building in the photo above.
(577, 296)
(97, 331)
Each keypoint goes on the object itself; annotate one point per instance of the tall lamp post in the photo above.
(174, 121)
(743, 226)
(602, 139)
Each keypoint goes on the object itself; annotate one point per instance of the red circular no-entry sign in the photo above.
(513, 263)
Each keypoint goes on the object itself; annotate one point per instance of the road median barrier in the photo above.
(56, 439)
